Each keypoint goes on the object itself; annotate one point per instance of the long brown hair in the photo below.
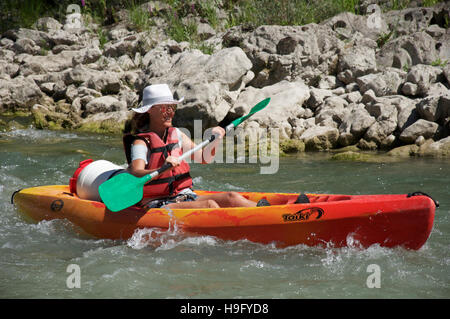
(138, 123)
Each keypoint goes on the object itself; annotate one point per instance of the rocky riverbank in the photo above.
(378, 81)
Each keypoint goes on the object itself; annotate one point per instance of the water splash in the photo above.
(168, 239)
(157, 237)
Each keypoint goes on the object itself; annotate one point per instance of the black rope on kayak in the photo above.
(424, 194)
(12, 196)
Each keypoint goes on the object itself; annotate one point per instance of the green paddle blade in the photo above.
(258, 107)
(122, 191)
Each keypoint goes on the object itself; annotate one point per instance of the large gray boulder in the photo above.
(410, 20)
(380, 132)
(421, 127)
(130, 44)
(439, 148)
(288, 52)
(320, 138)
(287, 99)
(301, 125)
(384, 83)
(8, 68)
(48, 63)
(26, 45)
(20, 93)
(46, 24)
(382, 110)
(210, 84)
(104, 104)
(331, 112)
(406, 112)
(105, 82)
(346, 23)
(158, 61)
(62, 37)
(355, 123)
(355, 62)
(422, 76)
(87, 55)
(435, 108)
(420, 48)
(38, 37)
(317, 97)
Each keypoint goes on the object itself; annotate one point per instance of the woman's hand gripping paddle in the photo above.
(125, 190)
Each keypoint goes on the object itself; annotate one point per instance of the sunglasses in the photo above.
(164, 108)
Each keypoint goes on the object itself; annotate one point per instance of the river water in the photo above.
(35, 259)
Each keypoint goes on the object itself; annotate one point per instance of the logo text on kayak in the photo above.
(303, 214)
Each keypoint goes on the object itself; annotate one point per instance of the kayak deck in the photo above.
(337, 220)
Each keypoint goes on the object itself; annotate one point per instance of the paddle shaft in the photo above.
(167, 166)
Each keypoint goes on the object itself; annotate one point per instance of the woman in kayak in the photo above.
(154, 141)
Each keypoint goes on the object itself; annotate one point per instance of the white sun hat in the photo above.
(156, 94)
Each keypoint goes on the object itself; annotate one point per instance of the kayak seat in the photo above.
(302, 199)
(263, 202)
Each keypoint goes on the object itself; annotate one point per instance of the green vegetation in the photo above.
(429, 3)
(102, 37)
(105, 127)
(181, 16)
(180, 30)
(44, 48)
(396, 5)
(406, 67)
(384, 38)
(439, 62)
(288, 146)
(208, 10)
(206, 48)
(253, 13)
(140, 18)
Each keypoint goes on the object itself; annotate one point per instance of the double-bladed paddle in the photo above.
(125, 190)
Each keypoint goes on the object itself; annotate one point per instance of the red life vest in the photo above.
(168, 183)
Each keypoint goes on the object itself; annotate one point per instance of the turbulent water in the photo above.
(35, 259)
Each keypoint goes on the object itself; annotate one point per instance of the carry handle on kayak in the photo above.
(125, 190)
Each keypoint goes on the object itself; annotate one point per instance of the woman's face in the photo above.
(163, 113)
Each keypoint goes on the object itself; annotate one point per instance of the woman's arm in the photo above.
(205, 155)
(137, 166)
(139, 160)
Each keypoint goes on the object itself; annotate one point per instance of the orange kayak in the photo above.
(337, 220)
